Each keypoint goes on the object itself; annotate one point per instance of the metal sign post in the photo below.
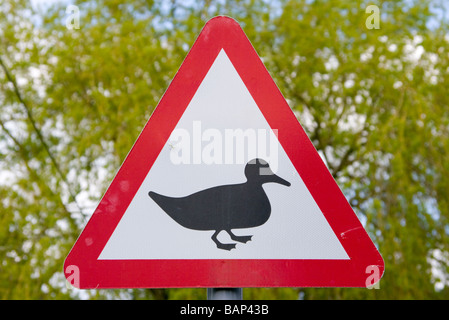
(224, 294)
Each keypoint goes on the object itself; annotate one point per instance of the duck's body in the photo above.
(235, 206)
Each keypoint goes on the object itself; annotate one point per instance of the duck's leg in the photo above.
(224, 246)
(243, 239)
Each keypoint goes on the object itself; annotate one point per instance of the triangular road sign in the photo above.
(186, 210)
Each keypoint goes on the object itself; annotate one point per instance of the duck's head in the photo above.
(258, 170)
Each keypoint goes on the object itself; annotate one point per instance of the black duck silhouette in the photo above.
(226, 207)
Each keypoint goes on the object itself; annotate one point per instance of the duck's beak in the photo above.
(277, 179)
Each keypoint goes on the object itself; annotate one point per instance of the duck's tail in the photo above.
(153, 195)
(171, 206)
(161, 200)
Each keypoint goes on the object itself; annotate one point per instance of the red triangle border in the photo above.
(223, 33)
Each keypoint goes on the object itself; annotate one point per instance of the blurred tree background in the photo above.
(374, 102)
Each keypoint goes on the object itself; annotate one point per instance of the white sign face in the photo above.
(220, 131)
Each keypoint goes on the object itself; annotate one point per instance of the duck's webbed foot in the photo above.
(224, 246)
(243, 239)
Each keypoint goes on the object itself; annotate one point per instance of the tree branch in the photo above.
(38, 132)
(31, 171)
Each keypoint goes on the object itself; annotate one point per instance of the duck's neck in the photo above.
(255, 183)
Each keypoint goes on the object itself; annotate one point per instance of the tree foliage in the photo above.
(373, 101)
